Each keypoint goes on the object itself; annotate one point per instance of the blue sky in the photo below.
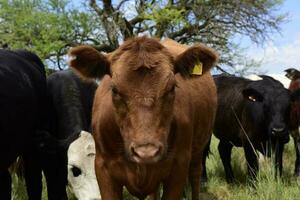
(283, 50)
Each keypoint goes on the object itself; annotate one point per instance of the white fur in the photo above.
(81, 154)
(280, 77)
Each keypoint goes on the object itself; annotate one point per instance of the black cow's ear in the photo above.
(89, 62)
(252, 95)
(196, 60)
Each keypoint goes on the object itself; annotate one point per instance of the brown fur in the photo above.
(89, 60)
(295, 107)
(138, 108)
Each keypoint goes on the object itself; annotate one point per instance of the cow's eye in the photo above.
(114, 90)
(76, 171)
(172, 90)
(119, 99)
(91, 154)
(116, 94)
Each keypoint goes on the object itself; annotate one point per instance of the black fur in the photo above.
(23, 106)
(247, 115)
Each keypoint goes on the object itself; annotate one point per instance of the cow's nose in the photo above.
(278, 131)
(145, 151)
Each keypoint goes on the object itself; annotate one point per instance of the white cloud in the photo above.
(276, 58)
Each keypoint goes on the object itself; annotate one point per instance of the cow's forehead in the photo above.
(141, 53)
(277, 96)
(142, 62)
(146, 87)
(81, 146)
(142, 77)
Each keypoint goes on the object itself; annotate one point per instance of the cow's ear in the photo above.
(252, 95)
(196, 60)
(89, 62)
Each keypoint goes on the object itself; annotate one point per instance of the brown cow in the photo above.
(151, 117)
(294, 76)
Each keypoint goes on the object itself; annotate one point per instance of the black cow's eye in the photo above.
(76, 171)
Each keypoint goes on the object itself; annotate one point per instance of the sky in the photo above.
(283, 50)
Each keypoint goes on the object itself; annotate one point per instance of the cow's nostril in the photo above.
(277, 130)
(76, 171)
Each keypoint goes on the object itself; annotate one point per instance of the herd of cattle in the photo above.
(148, 122)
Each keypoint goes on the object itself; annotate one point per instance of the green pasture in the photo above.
(266, 188)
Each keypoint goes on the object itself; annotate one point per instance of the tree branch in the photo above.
(120, 4)
(222, 70)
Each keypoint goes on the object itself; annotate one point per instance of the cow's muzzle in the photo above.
(280, 133)
(146, 153)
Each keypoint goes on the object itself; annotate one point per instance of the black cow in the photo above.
(71, 101)
(252, 115)
(23, 104)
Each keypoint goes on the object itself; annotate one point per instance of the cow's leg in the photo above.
(225, 154)
(278, 158)
(33, 176)
(251, 159)
(5, 185)
(173, 187)
(204, 173)
(55, 170)
(109, 189)
(195, 172)
(297, 163)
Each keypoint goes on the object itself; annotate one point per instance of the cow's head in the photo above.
(292, 73)
(143, 89)
(269, 105)
(81, 169)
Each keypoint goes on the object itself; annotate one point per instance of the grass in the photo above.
(266, 188)
(19, 190)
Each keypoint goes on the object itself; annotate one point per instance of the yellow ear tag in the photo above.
(197, 70)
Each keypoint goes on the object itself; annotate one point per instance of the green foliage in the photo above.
(44, 27)
(30, 27)
(165, 16)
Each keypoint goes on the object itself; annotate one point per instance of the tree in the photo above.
(105, 24)
(45, 27)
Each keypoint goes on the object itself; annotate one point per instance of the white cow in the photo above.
(81, 168)
(279, 77)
